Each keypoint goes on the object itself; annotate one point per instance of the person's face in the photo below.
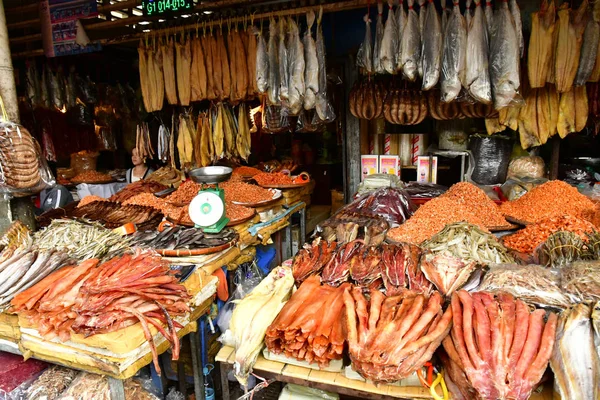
(135, 158)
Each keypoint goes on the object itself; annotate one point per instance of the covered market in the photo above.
(292, 199)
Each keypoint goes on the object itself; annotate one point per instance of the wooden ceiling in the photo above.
(122, 21)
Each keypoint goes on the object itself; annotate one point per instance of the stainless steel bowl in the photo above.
(213, 174)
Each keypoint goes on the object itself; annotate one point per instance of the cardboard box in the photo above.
(369, 164)
(389, 165)
(425, 172)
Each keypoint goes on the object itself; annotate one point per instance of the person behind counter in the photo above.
(139, 171)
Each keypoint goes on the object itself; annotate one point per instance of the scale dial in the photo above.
(206, 209)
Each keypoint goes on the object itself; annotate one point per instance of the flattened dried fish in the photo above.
(589, 51)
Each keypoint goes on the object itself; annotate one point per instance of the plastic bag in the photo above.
(23, 169)
(581, 280)
(516, 187)
(51, 383)
(377, 181)
(491, 156)
(392, 204)
(297, 392)
(454, 57)
(275, 119)
(364, 57)
(531, 167)
(533, 284)
(432, 47)
(424, 190)
(411, 44)
(87, 386)
(452, 135)
(325, 111)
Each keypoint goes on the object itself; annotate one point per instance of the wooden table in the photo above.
(330, 381)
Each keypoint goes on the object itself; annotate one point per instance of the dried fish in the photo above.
(274, 67)
(454, 56)
(168, 57)
(516, 14)
(296, 68)
(324, 108)
(432, 48)
(589, 51)
(284, 64)
(311, 73)
(364, 58)
(477, 74)
(262, 64)
(377, 64)
(411, 44)
(198, 75)
(389, 45)
(401, 24)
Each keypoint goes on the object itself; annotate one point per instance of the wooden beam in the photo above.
(23, 9)
(26, 39)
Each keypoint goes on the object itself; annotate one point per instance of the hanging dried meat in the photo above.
(391, 337)
(497, 347)
(251, 58)
(309, 326)
(569, 38)
(209, 53)
(541, 44)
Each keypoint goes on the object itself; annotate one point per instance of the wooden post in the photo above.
(351, 137)
(553, 173)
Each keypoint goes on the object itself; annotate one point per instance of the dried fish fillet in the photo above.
(168, 57)
(389, 45)
(541, 44)
(569, 38)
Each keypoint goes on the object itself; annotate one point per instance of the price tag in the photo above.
(164, 7)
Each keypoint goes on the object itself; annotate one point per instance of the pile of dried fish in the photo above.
(80, 240)
(533, 284)
(135, 188)
(92, 298)
(16, 235)
(51, 383)
(447, 273)
(392, 337)
(312, 258)
(581, 280)
(576, 357)
(497, 348)
(468, 242)
(181, 238)
(25, 267)
(309, 326)
(561, 248)
(345, 227)
(113, 215)
(167, 176)
(253, 315)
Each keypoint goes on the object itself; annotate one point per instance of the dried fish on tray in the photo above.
(312, 258)
(309, 327)
(80, 240)
(94, 297)
(136, 188)
(468, 242)
(497, 348)
(178, 237)
(51, 383)
(581, 280)
(533, 284)
(393, 336)
(575, 362)
(113, 215)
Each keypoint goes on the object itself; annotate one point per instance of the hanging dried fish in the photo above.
(230, 131)
(207, 47)
(477, 74)
(159, 80)
(324, 108)
(262, 64)
(589, 50)
(571, 25)
(540, 52)
(454, 55)
(516, 14)
(183, 53)
(274, 68)
(377, 65)
(296, 68)
(251, 58)
(284, 64)
(400, 25)
(489, 18)
(431, 57)
(164, 138)
(311, 72)
(242, 140)
(144, 77)
(185, 141)
(232, 38)
(199, 158)
(389, 45)
(468, 15)
(225, 71)
(198, 75)
(411, 44)
(422, 13)
(364, 58)
(206, 155)
(168, 57)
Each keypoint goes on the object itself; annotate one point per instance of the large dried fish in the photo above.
(144, 77)
(477, 75)
(589, 51)
(211, 93)
(454, 56)
(183, 53)
(489, 17)
(411, 44)
(311, 72)
(401, 23)
(168, 56)
(242, 140)
(159, 82)
(296, 68)
(284, 64)
(504, 58)
(324, 108)
(251, 59)
(205, 138)
(516, 14)
(574, 361)
(539, 55)
(225, 71)
(422, 13)
(198, 75)
(262, 64)
(431, 56)
(185, 141)
(364, 58)
(273, 52)
(377, 64)
(571, 25)
(217, 132)
(389, 45)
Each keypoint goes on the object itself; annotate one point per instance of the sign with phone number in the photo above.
(159, 7)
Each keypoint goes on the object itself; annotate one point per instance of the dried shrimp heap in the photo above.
(90, 199)
(551, 199)
(92, 177)
(245, 193)
(275, 178)
(185, 193)
(235, 212)
(431, 218)
(479, 203)
(528, 239)
(246, 171)
(146, 199)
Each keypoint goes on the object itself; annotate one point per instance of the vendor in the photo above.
(139, 171)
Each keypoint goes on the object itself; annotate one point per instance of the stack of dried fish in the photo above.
(576, 357)
(344, 227)
(25, 267)
(581, 280)
(79, 240)
(468, 242)
(253, 315)
(92, 298)
(533, 284)
(402, 269)
(181, 238)
(113, 215)
(497, 348)
(312, 258)
(392, 337)
(309, 327)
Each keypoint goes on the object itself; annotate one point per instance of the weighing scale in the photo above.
(207, 209)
